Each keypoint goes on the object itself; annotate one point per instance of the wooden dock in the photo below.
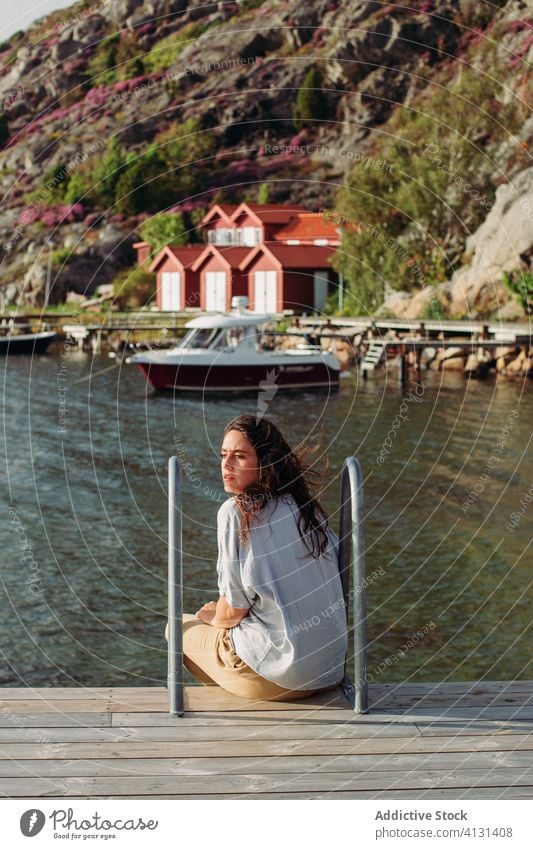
(419, 741)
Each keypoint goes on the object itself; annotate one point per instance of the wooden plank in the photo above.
(196, 786)
(203, 705)
(449, 713)
(231, 731)
(435, 729)
(25, 693)
(44, 720)
(244, 747)
(378, 690)
(195, 702)
(196, 698)
(396, 702)
(367, 764)
(481, 687)
(412, 715)
(453, 687)
(491, 793)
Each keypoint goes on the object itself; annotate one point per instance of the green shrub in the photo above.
(102, 65)
(61, 257)
(164, 229)
(167, 51)
(263, 193)
(520, 284)
(134, 287)
(311, 102)
(415, 196)
(107, 171)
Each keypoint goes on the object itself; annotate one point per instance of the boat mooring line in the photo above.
(95, 373)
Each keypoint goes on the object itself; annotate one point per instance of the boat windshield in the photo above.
(229, 337)
(199, 337)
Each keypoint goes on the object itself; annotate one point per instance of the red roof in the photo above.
(233, 256)
(268, 213)
(293, 256)
(185, 254)
(223, 210)
(307, 225)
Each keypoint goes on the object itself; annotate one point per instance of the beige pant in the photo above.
(210, 658)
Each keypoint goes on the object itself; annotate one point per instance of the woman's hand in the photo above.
(207, 612)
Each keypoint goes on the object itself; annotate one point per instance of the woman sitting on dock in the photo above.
(278, 630)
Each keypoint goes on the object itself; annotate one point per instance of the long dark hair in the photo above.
(282, 471)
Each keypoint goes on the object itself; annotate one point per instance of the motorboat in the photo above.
(223, 352)
(18, 338)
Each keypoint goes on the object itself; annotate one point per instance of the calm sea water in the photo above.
(83, 531)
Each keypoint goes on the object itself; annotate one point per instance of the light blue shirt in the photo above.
(295, 633)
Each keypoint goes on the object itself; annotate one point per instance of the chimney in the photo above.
(143, 251)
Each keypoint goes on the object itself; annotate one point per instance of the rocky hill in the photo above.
(114, 110)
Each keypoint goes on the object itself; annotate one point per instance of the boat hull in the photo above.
(260, 377)
(30, 343)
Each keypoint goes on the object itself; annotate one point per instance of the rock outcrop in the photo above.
(236, 67)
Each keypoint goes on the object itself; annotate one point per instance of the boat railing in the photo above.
(351, 569)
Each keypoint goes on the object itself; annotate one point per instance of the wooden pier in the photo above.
(419, 741)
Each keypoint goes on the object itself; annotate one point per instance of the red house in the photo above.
(178, 284)
(248, 224)
(220, 276)
(308, 228)
(276, 254)
(288, 277)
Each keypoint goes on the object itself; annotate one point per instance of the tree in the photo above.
(164, 229)
(187, 151)
(4, 129)
(311, 103)
(144, 184)
(407, 203)
(107, 173)
(263, 193)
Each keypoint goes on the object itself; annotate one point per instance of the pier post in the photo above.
(352, 560)
(175, 589)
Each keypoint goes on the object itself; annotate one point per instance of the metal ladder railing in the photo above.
(351, 562)
(175, 589)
